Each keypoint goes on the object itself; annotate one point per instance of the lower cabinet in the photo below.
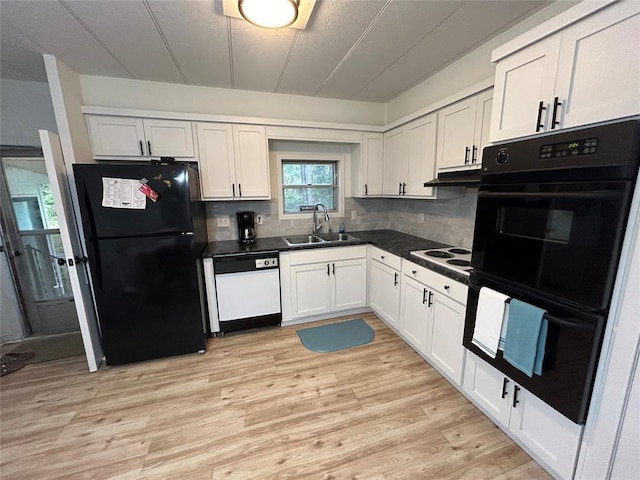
(432, 310)
(546, 434)
(384, 285)
(321, 281)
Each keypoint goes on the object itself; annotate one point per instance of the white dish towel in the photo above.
(490, 318)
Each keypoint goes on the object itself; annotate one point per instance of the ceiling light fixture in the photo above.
(269, 13)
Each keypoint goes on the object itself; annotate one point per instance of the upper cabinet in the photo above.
(410, 158)
(234, 161)
(463, 131)
(371, 165)
(140, 137)
(589, 72)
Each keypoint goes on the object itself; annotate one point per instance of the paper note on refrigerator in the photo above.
(122, 193)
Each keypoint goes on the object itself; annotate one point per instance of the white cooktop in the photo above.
(457, 259)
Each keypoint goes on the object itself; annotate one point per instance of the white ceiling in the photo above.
(367, 50)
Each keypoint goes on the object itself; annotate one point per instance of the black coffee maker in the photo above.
(246, 227)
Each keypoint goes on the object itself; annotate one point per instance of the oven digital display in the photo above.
(569, 149)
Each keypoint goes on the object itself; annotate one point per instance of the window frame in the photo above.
(339, 179)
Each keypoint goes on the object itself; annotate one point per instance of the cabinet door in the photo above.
(548, 434)
(349, 284)
(484, 107)
(217, 174)
(599, 67)
(523, 80)
(168, 138)
(455, 134)
(395, 162)
(117, 136)
(384, 292)
(372, 158)
(488, 388)
(421, 135)
(414, 312)
(444, 337)
(310, 289)
(252, 161)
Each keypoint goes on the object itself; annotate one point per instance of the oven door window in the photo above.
(562, 239)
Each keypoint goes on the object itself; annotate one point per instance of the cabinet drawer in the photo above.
(386, 258)
(327, 254)
(450, 288)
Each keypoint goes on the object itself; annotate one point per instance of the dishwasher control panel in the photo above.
(267, 262)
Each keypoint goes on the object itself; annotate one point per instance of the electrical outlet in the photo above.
(223, 221)
(421, 218)
(259, 219)
(353, 214)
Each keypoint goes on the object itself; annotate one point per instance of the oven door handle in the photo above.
(569, 322)
(546, 195)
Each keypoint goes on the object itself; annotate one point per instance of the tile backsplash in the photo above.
(444, 220)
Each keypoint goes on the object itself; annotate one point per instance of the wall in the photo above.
(144, 95)
(25, 107)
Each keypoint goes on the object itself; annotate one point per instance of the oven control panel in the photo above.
(569, 149)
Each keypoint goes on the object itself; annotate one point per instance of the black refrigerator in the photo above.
(145, 258)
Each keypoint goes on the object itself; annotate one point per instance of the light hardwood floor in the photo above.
(255, 406)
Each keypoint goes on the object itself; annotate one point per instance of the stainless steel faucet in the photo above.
(317, 226)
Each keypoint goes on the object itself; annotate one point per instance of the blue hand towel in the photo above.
(526, 336)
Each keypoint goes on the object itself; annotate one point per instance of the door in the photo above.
(444, 336)
(349, 289)
(483, 125)
(147, 294)
(372, 163)
(71, 245)
(455, 134)
(421, 135)
(251, 161)
(414, 313)
(523, 80)
(384, 292)
(599, 72)
(395, 162)
(117, 136)
(34, 246)
(489, 388)
(217, 163)
(168, 138)
(310, 289)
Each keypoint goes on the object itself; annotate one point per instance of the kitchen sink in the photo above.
(296, 240)
(302, 240)
(337, 237)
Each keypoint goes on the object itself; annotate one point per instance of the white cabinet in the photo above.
(140, 137)
(371, 165)
(546, 434)
(384, 285)
(234, 161)
(322, 281)
(463, 131)
(410, 158)
(432, 310)
(589, 72)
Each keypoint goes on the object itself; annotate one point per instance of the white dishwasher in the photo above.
(247, 291)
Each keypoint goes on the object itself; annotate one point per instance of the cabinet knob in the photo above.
(414, 271)
(541, 108)
(446, 287)
(516, 389)
(149, 146)
(554, 116)
(466, 155)
(382, 257)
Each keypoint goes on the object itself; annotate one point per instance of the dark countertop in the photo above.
(397, 243)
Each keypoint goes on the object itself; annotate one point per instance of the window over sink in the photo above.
(308, 179)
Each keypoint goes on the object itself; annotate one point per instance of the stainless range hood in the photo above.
(462, 178)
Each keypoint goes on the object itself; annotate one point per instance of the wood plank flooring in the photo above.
(255, 406)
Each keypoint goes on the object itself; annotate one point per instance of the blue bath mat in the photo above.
(336, 336)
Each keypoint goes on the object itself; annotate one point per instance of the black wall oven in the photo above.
(550, 222)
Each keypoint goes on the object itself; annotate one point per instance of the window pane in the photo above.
(50, 281)
(27, 213)
(294, 198)
(308, 173)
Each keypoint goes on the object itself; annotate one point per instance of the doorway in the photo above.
(33, 245)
